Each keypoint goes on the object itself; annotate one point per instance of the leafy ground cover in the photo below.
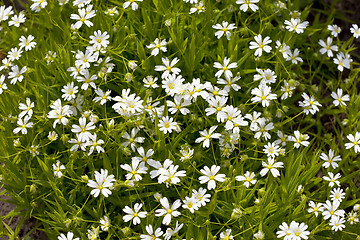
(169, 119)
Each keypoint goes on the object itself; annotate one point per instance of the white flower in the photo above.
(168, 211)
(102, 97)
(134, 5)
(337, 223)
(52, 136)
(331, 210)
(150, 82)
(171, 231)
(134, 215)
(355, 30)
(60, 113)
(342, 61)
(26, 108)
(262, 129)
(57, 169)
(327, 47)
(226, 235)
(132, 139)
(332, 179)
(211, 176)
(23, 125)
(152, 235)
(340, 99)
(14, 54)
(330, 160)
(224, 68)
(337, 194)
(246, 4)
(99, 39)
(168, 67)
(207, 135)
(95, 144)
(102, 184)
(198, 7)
(167, 124)
(69, 91)
(27, 43)
(271, 150)
(192, 204)
(157, 45)
(296, 25)
(298, 230)
(83, 17)
(299, 139)
(309, 104)
(16, 20)
(105, 223)
(315, 208)
(83, 129)
(335, 30)
(137, 167)
(68, 236)
(16, 74)
(201, 196)
(260, 45)
(354, 142)
(271, 166)
(229, 83)
(248, 178)
(284, 232)
(294, 56)
(263, 94)
(224, 28)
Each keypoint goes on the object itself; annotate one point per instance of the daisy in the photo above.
(83, 129)
(16, 20)
(337, 223)
(27, 43)
(150, 82)
(298, 230)
(223, 28)
(151, 234)
(224, 69)
(340, 99)
(229, 83)
(68, 236)
(134, 215)
(327, 47)
(260, 45)
(332, 179)
(168, 67)
(263, 94)
(201, 196)
(211, 176)
(23, 125)
(248, 179)
(355, 30)
(354, 142)
(337, 194)
(168, 211)
(26, 108)
(197, 7)
(315, 208)
(335, 30)
(57, 169)
(83, 17)
(299, 139)
(157, 45)
(137, 167)
(191, 204)
(132, 139)
(99, 39)
(207, 135)
(246, 4)
(102, 97)
(102, 184)
(294, 56)
(226, 235)
(331, 210)
(330, 160)
(104, 223)
(134, 5)
(69, 91)
(16, 74)
(296, 25)
(167, 124)
(271, 166)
